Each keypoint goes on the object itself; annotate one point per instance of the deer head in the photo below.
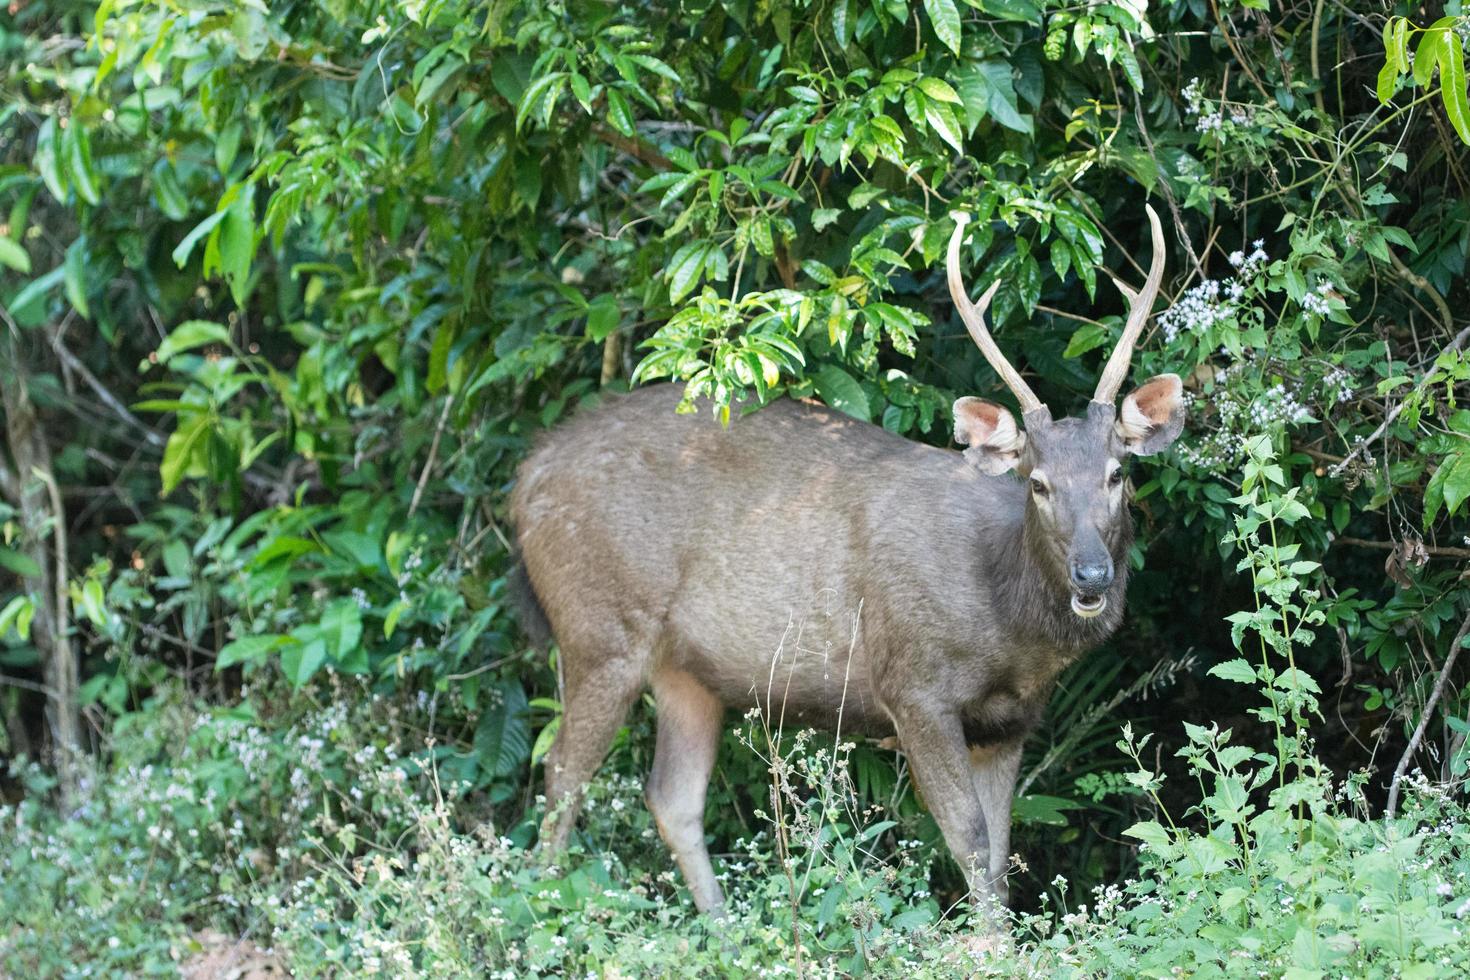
(1076, 511)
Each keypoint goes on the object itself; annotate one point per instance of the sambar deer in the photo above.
(722, 567)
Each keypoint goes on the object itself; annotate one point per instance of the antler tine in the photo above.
(1140, 305)
(974, 317)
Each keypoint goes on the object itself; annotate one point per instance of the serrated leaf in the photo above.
(1238, 670)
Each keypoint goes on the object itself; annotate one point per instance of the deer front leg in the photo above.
(940, 764)
(994, 769)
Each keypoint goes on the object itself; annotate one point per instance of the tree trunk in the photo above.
(27, 482)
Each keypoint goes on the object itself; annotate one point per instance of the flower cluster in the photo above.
(1211, 117)
(1214, 302)
(1318, 301)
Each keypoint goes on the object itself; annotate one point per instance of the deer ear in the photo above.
(990, 432)
(1152, 415)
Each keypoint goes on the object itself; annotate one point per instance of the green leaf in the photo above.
(34, 290)
(1237, 670)
(503, 737)
(1388, 82)
(942, 119)
(47, 160)
(76, 149)
(186, 247)
(181, 449)
(840, 390)
(18, 563)
(12, 255)
(75, 276)
(301, 661)
(939, 90)
(603, 317)
(1457, 484)
(945, 18)
(1150, 833)
(684, 268)
(191, 334)
(249, 649)
(341, 628)
(237, 247)
(1426, 56)
(620, 113)
(18, 613)
(1452, 82)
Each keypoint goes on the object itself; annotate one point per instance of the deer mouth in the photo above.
(1088, 606)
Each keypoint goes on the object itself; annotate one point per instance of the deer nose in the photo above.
(1091, 576)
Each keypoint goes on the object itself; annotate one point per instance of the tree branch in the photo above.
(1439, 686)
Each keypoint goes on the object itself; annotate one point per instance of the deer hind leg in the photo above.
(689, 720)
(596, 704)
(994, 768)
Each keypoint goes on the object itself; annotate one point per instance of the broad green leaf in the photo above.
(341, 628)
(1388, 81)
(17, 615)
(840, 390)
(76, 147)
(186, 247)
(945, 19)
(941, 118)
(1452, 80)
(249, 649)
(13, 256)
(189, 335)
(938, 89)
(1426, 56)
(1237, 670)
(603, 317)
(301, 661)
(18, 563)
(181, 450)
(684, 268)
(620, 113)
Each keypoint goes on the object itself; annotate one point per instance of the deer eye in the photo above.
(1038, 488)
(1115, 477)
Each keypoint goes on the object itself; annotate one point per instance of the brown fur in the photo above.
(726, 568)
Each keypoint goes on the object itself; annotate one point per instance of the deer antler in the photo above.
(1140, 305)
(974, 317)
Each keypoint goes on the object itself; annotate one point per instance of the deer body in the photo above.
(830, 574)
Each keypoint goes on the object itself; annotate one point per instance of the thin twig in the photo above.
(26, 685)
(108, 398)
(1439, 685)
(1393, 414)
(418, 491)
(1433, 552)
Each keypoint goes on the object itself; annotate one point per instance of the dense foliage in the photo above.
(288, 289)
